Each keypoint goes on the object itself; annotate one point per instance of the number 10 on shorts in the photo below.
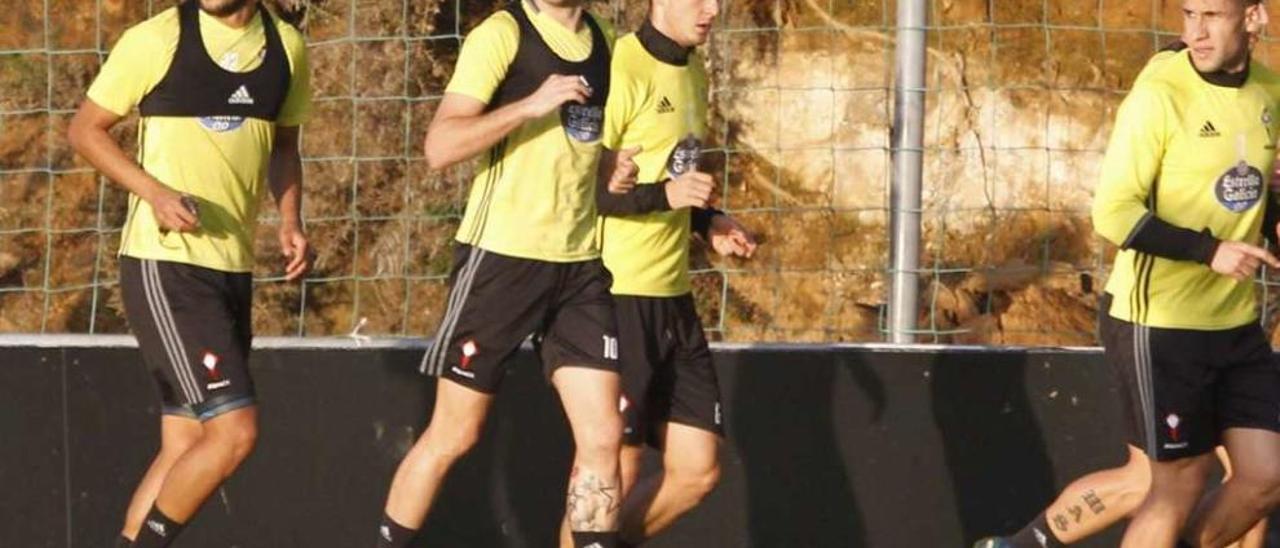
(610, 347)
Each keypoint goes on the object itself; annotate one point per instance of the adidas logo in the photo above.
(240, 97)
(1208, 130)
(665, 106)
(1040, 536)
(157, 527)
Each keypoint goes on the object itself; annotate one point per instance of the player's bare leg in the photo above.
(456, 422)
(177, 435)
(690, 471)
(590, 399)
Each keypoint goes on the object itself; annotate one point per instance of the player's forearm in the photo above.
(458, 138)
(285, 179)
(102, 152)
(1122, 217)
(644, 198)
(640, 199)
(700, 220)
(1155, 236)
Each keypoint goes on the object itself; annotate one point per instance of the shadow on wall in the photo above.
(799, 490)
(971, 462)
(994, 449)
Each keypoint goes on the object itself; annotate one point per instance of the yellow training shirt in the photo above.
(658, 103)
(1198, 156)
(534, 195)
(222, 162)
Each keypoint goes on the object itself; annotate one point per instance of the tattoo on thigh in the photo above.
(593, 502)
(1095, 503)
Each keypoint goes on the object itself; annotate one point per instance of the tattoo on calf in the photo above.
(1076, 512)
(593, 502)
(1095, 503)
(1060, 522)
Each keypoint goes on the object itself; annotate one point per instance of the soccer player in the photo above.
(222, 87)
(1097, 501)
(528, 93)
(1184, 195)
(655, 122)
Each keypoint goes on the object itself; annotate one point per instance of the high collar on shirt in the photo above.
(1224, 78)
(1218, 77)
(661, 47)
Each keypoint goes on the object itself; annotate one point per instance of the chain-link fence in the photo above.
(1019, 106)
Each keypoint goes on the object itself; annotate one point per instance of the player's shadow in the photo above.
(786, 412)
(994, 449)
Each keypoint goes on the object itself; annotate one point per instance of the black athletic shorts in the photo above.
(193, 327)
(497, 301)
(1184, 387)
(667, 375)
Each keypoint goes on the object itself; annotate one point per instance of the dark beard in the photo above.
(228, 9)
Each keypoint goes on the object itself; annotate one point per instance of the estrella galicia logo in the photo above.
(1239, 188)
(584, 123)
(222, 124)
(684, 157)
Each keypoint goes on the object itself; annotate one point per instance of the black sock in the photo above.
(583, 539)
(392, 534)
(158, 531)
(1036, 534)
(123, 542)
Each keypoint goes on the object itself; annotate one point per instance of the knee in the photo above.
(243, 439)
(600, 439)
(176, 444)
(447, 445)
(238, 437)
(1262, 487)
(696, 480)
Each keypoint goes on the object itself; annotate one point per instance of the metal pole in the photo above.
(908, 159)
